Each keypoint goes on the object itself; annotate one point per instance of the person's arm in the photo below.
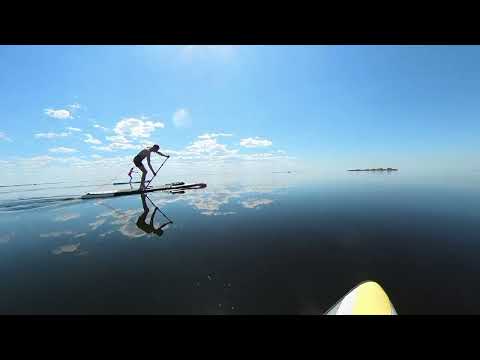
(162, 154)
(150, 165)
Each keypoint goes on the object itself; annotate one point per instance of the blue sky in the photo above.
(324, 106)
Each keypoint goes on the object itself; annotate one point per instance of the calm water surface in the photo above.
(271, 244)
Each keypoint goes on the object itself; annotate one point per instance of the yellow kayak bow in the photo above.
(367, 298)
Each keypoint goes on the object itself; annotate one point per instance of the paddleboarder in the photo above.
(132, 170)
(145, 153)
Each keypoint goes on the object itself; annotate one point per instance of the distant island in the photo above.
(378, 169)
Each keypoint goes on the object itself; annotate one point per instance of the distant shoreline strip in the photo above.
(380, 169)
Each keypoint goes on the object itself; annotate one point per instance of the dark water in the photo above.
(279, 244)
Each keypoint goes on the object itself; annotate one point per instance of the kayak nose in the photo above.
(367, 298)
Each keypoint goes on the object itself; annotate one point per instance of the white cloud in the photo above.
(181, 118)
(127, 134)
(64, 166)
(136, 128)
(4, 136)
(218, 202)
(41, 160)
(96, 156)
(210, 203)
(67, 217)
(255, 142)
(219, 213)
(118, 139)
(51, 135)
(117, 146)
(80, 235)
(70, 248)
(100, 127)
(60, 114)
(61, 149)
(252, 204)
(56, 234)
(91, 140)
(74, 106)
(107, 233)
(126, 220)
(123, 146)
(74, 129)
(208, 146)
(95, 225)
(102, 148)
(213, 135)
(131, 230)
(258, 156)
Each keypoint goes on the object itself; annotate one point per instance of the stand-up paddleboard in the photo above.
(367, 298)
(138, 182)
(167, 187)
(126, 183)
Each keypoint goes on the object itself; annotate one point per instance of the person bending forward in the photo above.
(145, 153)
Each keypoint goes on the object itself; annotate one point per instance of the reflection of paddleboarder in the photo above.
(150, 228)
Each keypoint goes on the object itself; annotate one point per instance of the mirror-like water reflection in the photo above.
(281, 245)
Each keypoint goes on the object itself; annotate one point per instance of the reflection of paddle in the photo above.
(150, 227)
(157, 208)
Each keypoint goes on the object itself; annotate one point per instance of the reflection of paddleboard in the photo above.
(367, 298)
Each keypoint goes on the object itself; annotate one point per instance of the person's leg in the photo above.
(144, 175)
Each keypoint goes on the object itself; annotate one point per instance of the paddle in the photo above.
(156, 172)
